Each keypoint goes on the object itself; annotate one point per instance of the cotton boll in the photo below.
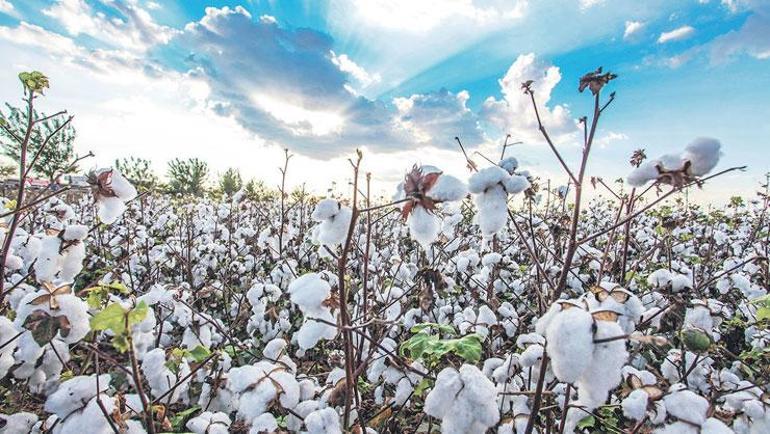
(703, 154)
(264, 423)
(635, 405)
(464, 400)
(120, 185)
(486, 178)
(643, 174)
(325, 421)
(109, 209)
(569, 340)
(492, 210)
(309, 291)
(447, 189)
(8, 332)
(334, 230)
(510, 164)
(17, 423)
(75, 393)
(603, 373)
(75, 233)
(516, 184)
(209, 423)
(424, 226)
(325, 210)
(687, 406)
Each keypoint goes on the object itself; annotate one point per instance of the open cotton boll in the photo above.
(424, 226)
(121, 186)
(324, 421)
(334, 230)
(464, 400)
(7, 334)
(516, 184)
(209, 423)
(17, 423)
(492, 210)
(309, 291)
(703, 154)
(109, 209)
(604, 372)
(486, 178)
(311, 331)
(569, 340)
(75, 232)
(643, 174)
(635, 405)
(686, 405)
(510, 164)
(447, 189)
(75, 393)
(326, 209)
(264, 423)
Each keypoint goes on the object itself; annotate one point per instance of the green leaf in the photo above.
(422, 386)
(469, 348)
(199, 353)
(180, 418)
(763, 313)
(587, 422)
(111, 317)
(137, 314)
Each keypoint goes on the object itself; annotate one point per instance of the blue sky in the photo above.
(236, 82)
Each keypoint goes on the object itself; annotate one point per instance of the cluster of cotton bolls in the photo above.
(464, 400)
(697, 159)
(587, 349)
(311, 293)
(423, 188)
(490, 188)
(404, 379)
(112, 190)
(267, 321)
(333, 222)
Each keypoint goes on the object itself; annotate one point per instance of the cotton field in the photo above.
(493, 302)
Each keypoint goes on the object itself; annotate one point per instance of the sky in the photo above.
(237, 82)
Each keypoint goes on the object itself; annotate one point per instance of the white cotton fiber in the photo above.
(424, 226)
(570, 343)
(703, 154)
(447, 189)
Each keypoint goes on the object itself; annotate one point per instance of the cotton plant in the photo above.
(490, 188)
(422, 190)
(696, 160)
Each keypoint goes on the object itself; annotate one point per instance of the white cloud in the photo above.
(632, 29)
(514, 113)
(6, 7)
(345, 64)
(752, 38)
(38, 37)
(585, 4)
(425, 15)
(676, 34)
(132, 28)
(609, 137)
(437, 117)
